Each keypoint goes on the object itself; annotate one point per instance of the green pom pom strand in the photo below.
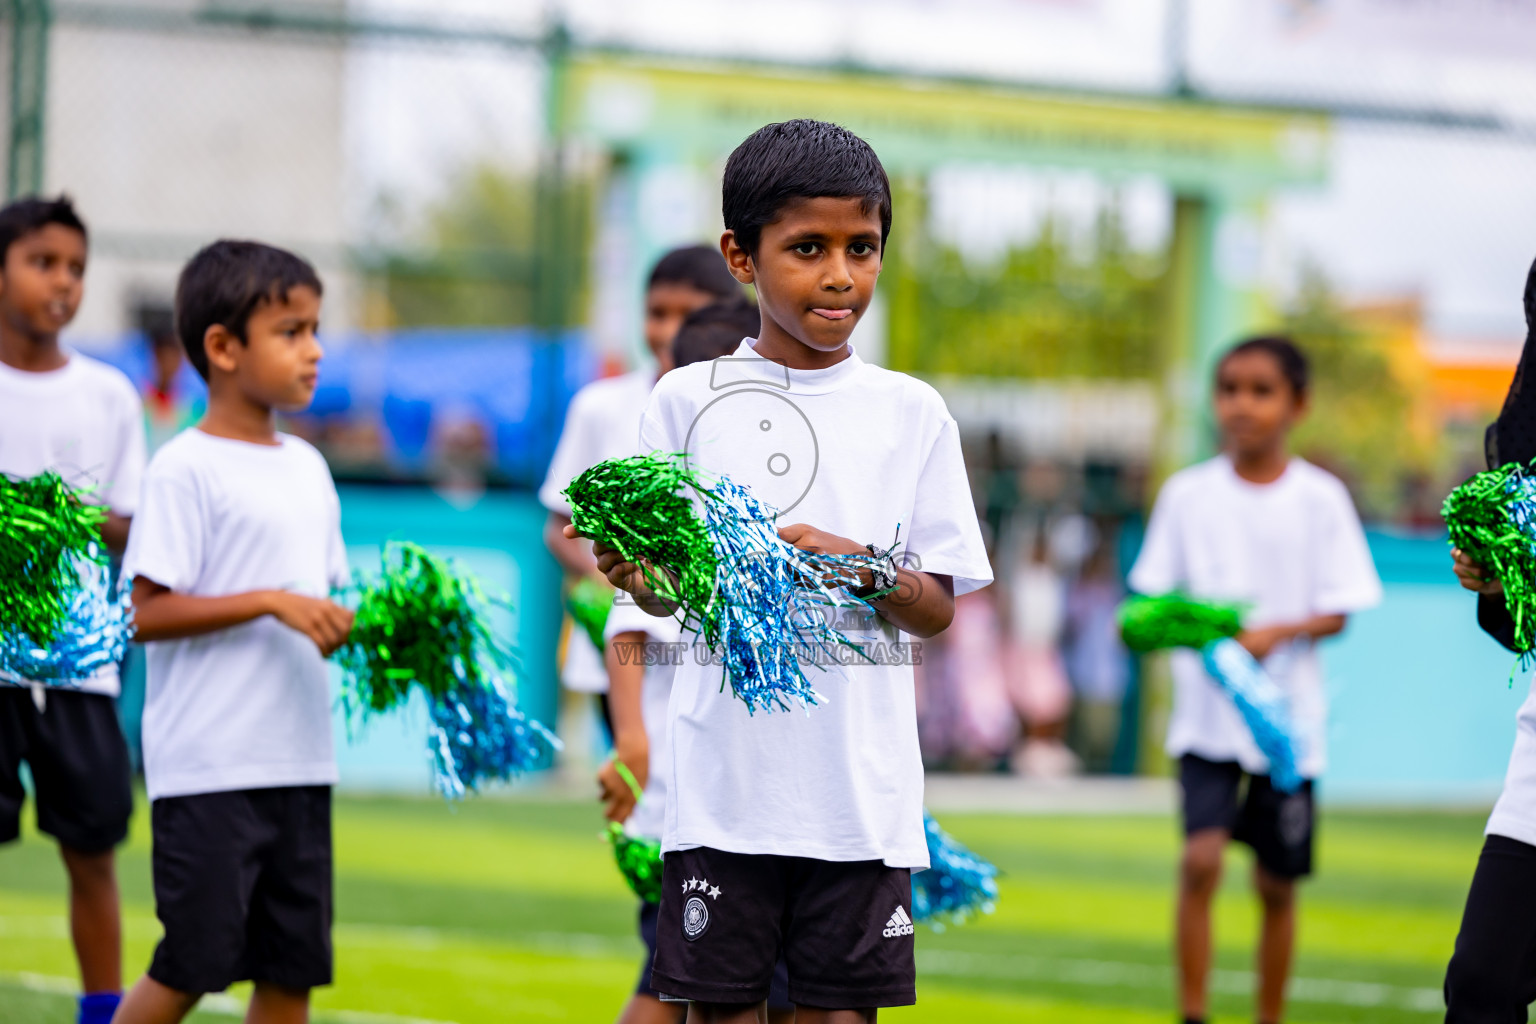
(1492, 517)
(640, 507)
(589, 603)
(1175, 620)
(46, 533)
(639, 860)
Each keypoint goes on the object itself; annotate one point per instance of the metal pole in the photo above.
(30, 20)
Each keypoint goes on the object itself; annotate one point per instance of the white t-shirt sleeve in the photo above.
(121, 480)
(944, 532)
(1159, 567)
(572, 455)
(1346, 575)
(168, 536)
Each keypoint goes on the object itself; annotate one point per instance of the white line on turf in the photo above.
(1325, 991)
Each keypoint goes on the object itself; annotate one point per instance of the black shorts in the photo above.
(243, 888)
(778, 989)
(79, 762)
(844, 930)
(1279, 826)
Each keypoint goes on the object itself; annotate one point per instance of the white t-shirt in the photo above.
(246, 707)
(83, 420)
(855, 450)
(664, 650)
(1290, 549)
(603, 422)
(1514, 816)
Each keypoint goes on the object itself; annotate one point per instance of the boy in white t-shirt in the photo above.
(603, 423)
(1253, 525)
(798, 832)
(236, 546)
(62, 411)
(642, 657)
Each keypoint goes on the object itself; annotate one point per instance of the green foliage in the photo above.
(499, 248)
(1363, 421)
(1043, 311)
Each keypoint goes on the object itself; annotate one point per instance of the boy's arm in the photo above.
(628, 577)
(114, 532)
(923, 603)
(631, 746)
(160, 613)
(573, 553)
(1266, 638)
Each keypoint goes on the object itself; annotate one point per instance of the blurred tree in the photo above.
(1048, 309)
(1372, 419)
(478, 256)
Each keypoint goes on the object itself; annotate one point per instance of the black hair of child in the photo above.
(225, 283)
(799, 159)
(1291, 359)
(23, 216)
(715, 330)
(700, 267)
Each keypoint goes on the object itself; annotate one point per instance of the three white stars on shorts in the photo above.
(702, 885)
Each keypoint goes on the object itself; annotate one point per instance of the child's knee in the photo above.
(89, 869)
(1275, 893)
(1200, 867)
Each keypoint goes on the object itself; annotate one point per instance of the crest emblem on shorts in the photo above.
(695, 918)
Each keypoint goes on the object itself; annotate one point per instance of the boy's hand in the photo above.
(618, 799)
(323, 621)
(625, 575)
(1260, 642)
(1473, 576)
(819, 542)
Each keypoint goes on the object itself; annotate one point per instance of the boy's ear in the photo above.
(219, 345)
(738, 259)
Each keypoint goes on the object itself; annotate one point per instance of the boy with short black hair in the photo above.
(798, 833)
(604, 421)
(1256, 526)
(62, 411)
(236, 547)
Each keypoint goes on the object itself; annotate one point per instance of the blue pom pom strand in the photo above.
(957, 883)
(1263, 706)
(774, 601)
(478, 736)
(94, 636)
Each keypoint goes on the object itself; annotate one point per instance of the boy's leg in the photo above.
(1279, 828)
(727, 1013)
(80, 769)
(150, 1002)
(1209, 797)
(810, 1015)
(1277, 940)
(645, 1006)
(274, 1004)
(1492, 975)
(95, 921)
(1199, 878)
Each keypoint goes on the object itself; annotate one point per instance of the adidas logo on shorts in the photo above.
(899, 924)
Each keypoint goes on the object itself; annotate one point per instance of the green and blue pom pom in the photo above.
(956, 885)
(1492, 517)
(61, 620)
(711, 549)
(1176, 620)
(421, 624)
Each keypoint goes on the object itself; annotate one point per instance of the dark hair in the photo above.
(799, 160)
(225, 283)
(33, 213)
(714, 331)
(700, 267)
(1293, 362)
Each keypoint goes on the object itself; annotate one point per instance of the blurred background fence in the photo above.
(1089, 207)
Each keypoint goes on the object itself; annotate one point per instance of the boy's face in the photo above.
(43, 279)
(815, 269)
(1256, 407)
(667, 305)
(278, 366)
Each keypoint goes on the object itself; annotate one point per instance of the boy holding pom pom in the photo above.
(62, 411)
(235, 548)
(798, 832)
(1260, 528)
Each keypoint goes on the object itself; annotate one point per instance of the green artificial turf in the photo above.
(511, 910)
